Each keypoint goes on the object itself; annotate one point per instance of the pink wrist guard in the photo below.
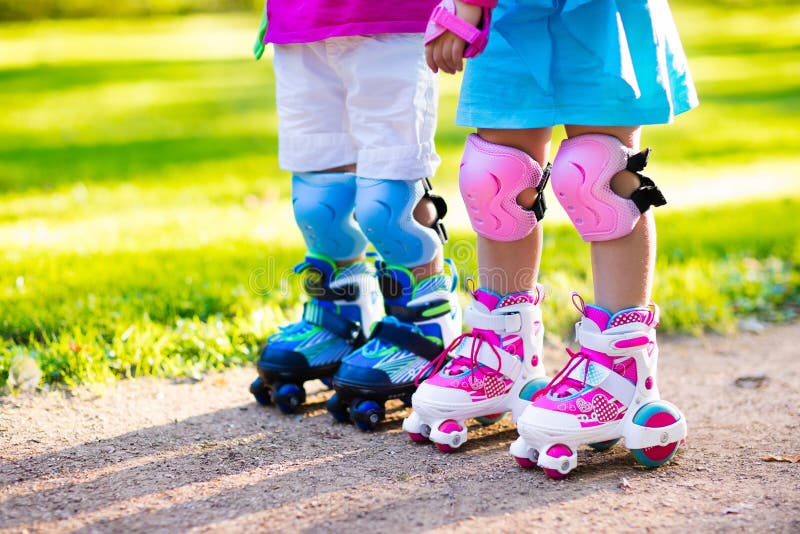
(443, 18)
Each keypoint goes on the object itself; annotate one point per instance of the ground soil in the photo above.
(155, 455)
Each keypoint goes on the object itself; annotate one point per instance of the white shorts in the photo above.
(368, 100)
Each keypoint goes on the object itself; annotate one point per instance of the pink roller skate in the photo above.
(606, 392)
(495, 369)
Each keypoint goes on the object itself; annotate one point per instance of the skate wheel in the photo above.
(260, 391)
(328, 382)
(604, 445)
(337, 409)
(487, 420)
(288, 397)
(529, 390)
(449, 427)
(557, 451)
(656, 415)
(366, 414)
(525, 463)
(417, 438)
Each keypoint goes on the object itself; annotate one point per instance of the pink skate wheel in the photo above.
(525, 463)
(416, 437)
(448, 427)
(557, 451)
(445, 448)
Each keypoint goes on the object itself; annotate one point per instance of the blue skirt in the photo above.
(582, 62)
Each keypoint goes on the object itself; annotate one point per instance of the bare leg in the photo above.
(623, 268)
(509, 267)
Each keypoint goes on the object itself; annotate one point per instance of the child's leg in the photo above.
(623, 268)
(391, 107)
(497, 368)
(608, 389)
(513, 266)
(344, 297)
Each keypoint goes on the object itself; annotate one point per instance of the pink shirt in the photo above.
(305, 21)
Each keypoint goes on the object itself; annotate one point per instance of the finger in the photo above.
(429, 58)
(457, 53)
(438, 59)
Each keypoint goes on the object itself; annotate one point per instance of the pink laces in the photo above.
(478, 339)
(575, 359)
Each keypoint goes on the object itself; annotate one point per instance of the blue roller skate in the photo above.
(421, 319)
(344, 303)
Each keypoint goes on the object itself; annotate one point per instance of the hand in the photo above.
(259, 46)
(447, 51)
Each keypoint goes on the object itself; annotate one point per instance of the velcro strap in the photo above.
(501, 323)
(647, 195)
(539, 206)
(440, 206)
(423, 312)
(611, 344)
(407, 340)
(332, 322)
(638, 162)
(451, 22)
(345, 292)
(509, 364)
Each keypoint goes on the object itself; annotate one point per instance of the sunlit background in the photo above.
(145, 227)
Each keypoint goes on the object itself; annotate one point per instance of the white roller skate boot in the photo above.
(497, 368)
(606, 392)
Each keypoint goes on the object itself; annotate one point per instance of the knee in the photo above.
(597, 180)
(323, 209)
(501, 188)
(401, 219)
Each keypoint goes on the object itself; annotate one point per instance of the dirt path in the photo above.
(152, 455)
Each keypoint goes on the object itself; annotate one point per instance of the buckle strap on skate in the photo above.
(509, 364)
(406, 339)
(614, 344)
(501, 323)
(334, 323)
(423, 312)
(345, 292)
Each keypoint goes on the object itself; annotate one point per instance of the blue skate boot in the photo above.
(421, 319)
(344, 303)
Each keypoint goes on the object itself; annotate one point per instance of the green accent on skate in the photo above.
(437, 310)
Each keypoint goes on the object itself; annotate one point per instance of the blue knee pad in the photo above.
(323, 208)
(385, 212)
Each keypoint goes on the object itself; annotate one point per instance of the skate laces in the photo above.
(562, 384)
(478, 339)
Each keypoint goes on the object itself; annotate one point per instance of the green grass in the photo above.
(145, 227)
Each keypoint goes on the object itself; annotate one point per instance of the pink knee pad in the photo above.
(491, 177)
(582, 173)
